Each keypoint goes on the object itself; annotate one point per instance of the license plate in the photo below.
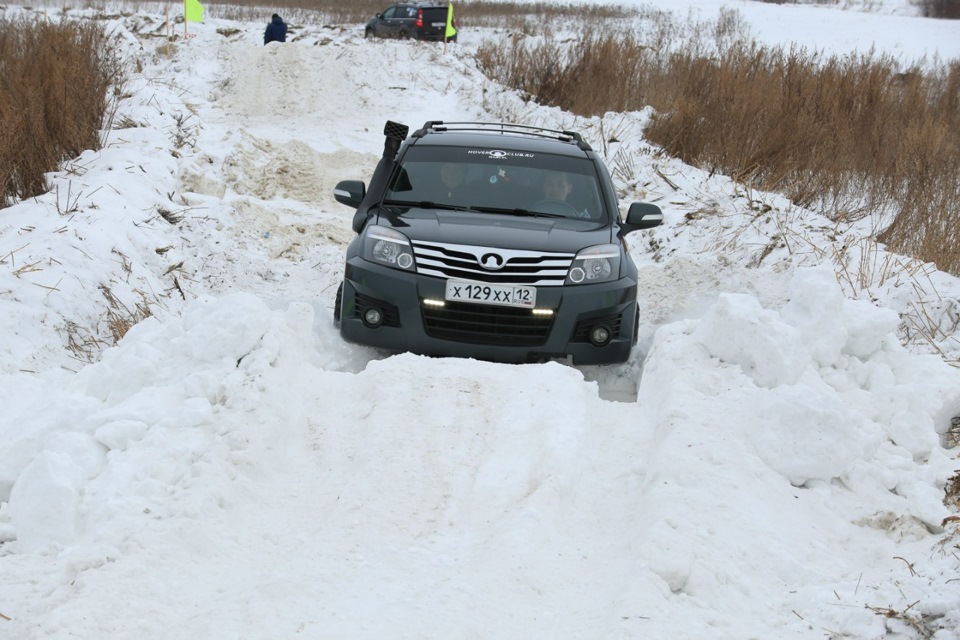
(483, 293)
(439, 24)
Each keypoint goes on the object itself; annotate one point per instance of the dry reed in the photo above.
(55, 83)
(848, 136)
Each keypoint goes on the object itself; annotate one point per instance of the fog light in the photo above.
(599, 335)
(373, 317)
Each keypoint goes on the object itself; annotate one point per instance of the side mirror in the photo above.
(350, 192)
(641, 215)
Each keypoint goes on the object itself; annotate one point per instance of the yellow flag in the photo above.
(451, 31)
(192, 10)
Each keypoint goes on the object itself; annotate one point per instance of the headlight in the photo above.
(595, 264)
(388, 247)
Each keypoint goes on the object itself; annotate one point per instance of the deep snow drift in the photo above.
(232, 469)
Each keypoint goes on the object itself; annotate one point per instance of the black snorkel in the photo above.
(395, 133)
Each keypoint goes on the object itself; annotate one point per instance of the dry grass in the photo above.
(940, 8)
(930, 8)
(921, 625)
(55, 84)
(85, 345)
(953, 440)
(848, 136)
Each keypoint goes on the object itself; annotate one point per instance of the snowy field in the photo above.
(232, 469)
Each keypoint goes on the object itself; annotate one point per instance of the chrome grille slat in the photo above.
(544, 269)
(486, 277)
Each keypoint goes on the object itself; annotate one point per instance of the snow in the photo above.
(232, 469)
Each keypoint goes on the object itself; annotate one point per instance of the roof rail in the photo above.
(504, 128)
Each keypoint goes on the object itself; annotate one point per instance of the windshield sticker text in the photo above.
(496, 154)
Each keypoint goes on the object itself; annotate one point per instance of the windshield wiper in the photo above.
(520, 212)
(426, 204)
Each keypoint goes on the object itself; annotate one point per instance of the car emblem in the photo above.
(492, 261)
(498, 155)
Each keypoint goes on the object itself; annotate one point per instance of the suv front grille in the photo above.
(536, 268)
(486, 324)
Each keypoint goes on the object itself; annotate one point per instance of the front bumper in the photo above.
(486, 332)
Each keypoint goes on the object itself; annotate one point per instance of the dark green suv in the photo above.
(421, 21)
(492, 241)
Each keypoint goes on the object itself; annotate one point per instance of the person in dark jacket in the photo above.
(276, 30)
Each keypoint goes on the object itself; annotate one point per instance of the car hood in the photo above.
(497, 230)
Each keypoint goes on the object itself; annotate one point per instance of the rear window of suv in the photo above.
(434, 14)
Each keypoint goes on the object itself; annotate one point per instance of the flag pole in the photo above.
(185, 21)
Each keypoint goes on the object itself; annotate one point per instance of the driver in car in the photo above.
(556, 186)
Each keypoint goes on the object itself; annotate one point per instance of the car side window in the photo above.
(389, 13)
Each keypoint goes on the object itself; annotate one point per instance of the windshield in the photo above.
(497, 181)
